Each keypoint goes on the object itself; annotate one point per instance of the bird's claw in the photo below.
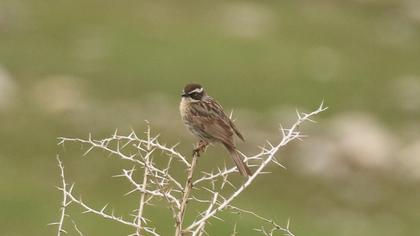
(201, 147)
(196, 152)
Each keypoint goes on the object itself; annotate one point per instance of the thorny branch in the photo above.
(64, 202)
(160, 183)
(275, 227)
(287, 136)
(185, 197)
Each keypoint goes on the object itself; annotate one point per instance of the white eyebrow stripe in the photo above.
(197, 90)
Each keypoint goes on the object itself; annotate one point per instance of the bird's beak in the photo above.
(184, 95)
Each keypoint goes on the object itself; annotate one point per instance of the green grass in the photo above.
(126, 51)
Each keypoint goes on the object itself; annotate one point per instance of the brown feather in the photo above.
(236, 131)
(206, 119)
(242, 167)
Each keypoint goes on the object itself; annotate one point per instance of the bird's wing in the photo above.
(210, 118)
(216, 129)
(224, 117)
(236, 130)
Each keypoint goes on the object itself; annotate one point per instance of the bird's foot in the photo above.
(201, 147)
(196, 152)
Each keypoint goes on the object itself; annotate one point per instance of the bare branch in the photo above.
(187, 191)
(141, 203)
(276, 227)
(200, 229)
(155, 181)
(101, 212)
(291, 134)
(64, 202)
(76, 228)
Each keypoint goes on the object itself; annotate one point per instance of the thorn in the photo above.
(282, 131)
(103, 208)
(298, 114)
(61, 141)
(117, 176)
(90, 149)
(218, 218)
(278, 163)
(71, 188)
(309, 119)
(130, 192)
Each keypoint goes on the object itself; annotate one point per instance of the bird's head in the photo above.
(194, 92)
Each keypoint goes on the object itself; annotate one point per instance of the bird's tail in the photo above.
(242, 167)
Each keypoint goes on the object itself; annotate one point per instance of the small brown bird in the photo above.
(205, 118)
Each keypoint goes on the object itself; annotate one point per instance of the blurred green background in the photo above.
(68, 68)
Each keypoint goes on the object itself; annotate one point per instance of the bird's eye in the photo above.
(195, 95)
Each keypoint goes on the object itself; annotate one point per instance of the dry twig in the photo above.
(158, 184)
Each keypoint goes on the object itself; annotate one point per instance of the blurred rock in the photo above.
(8, 89)
(355, 141)
(246, 19)
(320, 157)
(412, 8)
(362, 140)
(410, 130)
(396, 31)
(60, 94)
(406, 91)
(13, 15)
(409, 160)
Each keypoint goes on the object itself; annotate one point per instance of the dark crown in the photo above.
(191, 87)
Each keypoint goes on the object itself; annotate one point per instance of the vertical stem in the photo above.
(200, 229)
(143, 194)
(141, 204)
(185, 196)
(64, 203)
